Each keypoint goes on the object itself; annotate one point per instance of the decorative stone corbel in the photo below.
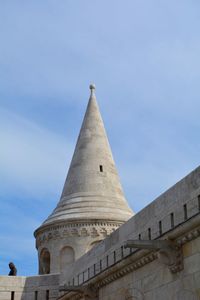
(89, 292)
(169, 253)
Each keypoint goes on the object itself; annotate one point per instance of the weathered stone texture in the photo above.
(144, 272)
(154, 281)
(24, 288)
(92, 203)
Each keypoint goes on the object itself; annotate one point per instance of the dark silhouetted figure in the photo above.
(13, 270)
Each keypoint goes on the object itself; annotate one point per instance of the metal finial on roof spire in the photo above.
(92, 88)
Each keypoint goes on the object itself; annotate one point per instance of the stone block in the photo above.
(166, 222)
(192, 264)
(5, 295)
(187, 249)
(197, 280)
(192, 207)
(151, 281)
(185, 295)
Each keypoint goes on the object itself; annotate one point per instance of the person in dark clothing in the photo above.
(13, 270)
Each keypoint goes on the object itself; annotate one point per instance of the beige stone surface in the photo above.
(92, 189)
(150, 279)
(24, 288)
(92, 204)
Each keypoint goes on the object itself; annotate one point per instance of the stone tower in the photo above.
(92, 204)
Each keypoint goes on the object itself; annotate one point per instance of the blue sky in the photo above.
(143, 57)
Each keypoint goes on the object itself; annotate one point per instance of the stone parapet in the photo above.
(26, 288)
(175, 215)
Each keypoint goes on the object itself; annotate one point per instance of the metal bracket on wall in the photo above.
(169, 253)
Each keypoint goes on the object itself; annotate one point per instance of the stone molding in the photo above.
(127, 265)
(94, 229)
(193, 234)
(127, 269)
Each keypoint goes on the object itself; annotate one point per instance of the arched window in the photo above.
(44, 264)
(66, 258)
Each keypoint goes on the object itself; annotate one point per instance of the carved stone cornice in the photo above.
(76, 223)
(93, 229)
(191, 235)
(127, 269)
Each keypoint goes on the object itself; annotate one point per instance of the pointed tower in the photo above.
(92, 204)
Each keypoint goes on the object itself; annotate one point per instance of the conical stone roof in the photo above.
(92, 190)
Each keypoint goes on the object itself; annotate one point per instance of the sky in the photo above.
(142, 55)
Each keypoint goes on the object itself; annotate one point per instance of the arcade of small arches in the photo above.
(67, 257)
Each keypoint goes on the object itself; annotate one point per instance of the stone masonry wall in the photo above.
(154, 281)
(29, 288)
(172, 209)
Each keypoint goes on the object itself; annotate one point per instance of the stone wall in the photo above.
(122, 273)
(29, 288)
(173, 208)
(155, 281)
